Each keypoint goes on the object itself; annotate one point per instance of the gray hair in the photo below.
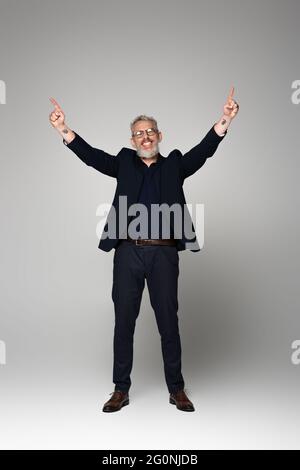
(143, 117)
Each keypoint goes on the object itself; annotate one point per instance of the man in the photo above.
(147, 180)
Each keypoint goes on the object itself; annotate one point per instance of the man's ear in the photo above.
(160, 136)
(132, 143)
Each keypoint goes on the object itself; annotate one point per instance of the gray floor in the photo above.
(232, 412)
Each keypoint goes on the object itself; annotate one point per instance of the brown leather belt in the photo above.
(152, 241)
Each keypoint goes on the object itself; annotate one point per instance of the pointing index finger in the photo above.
(54, 102)
(230, 94)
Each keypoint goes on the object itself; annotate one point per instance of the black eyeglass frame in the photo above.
(153, 131)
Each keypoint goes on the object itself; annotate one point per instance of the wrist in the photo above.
(226, 118)
(222, 125)
(66, 133)
(62, 129)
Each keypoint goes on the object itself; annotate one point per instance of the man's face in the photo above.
(147, 145)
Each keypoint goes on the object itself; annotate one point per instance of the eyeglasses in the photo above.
(139, 134)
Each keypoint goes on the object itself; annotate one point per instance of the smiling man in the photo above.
(147, 179)
(144, 139)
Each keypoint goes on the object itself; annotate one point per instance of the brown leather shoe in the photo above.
(116, 402)
(181, 401)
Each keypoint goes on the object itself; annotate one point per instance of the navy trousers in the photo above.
(159, 265)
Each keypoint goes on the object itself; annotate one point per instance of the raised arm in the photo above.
(195, 158)
(98, 159)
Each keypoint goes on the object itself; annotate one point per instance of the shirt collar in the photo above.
(154, 164)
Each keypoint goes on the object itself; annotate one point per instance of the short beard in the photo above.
(148, 153)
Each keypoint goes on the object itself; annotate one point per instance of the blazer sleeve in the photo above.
(98, 159)
(195, 158)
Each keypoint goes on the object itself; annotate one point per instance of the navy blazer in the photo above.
(123, 166)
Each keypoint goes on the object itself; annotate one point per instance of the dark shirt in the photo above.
(150, 194)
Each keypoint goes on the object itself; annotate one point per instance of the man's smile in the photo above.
(147, 144)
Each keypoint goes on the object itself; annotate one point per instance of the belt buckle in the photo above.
(137, 241)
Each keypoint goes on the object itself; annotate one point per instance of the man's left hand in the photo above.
(231, 108)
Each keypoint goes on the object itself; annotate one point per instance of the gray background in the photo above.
(106, 62)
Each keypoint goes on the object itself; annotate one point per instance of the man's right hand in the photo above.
(57, 120)
(57, 117)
